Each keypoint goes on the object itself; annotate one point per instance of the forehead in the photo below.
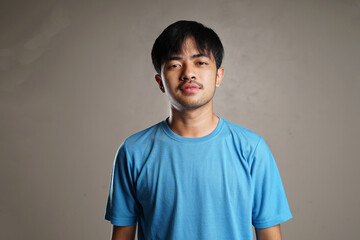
(190, 47)
(189, 44)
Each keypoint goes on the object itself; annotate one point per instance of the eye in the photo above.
(201, 63)
(172, 66)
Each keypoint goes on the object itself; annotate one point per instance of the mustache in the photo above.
(201, 86)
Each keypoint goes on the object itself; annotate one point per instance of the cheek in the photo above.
(168, 84)
(170, 76)
(211, 73)
(171, 79)
(211, 77)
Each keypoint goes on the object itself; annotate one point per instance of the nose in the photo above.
(188, 73)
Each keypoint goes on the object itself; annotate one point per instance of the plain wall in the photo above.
(76, 79)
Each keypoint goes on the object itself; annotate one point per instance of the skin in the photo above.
(191, 110)
(123, 232)
(271, 233)
(191, 114)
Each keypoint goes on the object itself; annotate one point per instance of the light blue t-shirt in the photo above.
(212, 187)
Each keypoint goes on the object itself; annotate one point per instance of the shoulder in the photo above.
(134, 149)
(244, 141)
(242, 133)
(251, 143)
(141, 138)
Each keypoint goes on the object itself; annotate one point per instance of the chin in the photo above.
(192, 105)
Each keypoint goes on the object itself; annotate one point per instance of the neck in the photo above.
(193, 123)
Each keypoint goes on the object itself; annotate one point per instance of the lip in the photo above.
(189, 88)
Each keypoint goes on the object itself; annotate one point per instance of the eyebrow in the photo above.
(192, 57)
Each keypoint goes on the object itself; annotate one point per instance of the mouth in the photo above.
(189, 88)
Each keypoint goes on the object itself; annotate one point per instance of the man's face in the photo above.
(189, 78)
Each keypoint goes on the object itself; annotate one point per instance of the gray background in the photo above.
(76, 79)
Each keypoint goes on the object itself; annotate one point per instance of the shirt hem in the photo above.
(121, 221)
(273, 222)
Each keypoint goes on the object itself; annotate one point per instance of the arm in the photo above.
(271, 233)
(123, 232)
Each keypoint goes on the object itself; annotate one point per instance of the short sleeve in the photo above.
(270, 206)
(121, 208)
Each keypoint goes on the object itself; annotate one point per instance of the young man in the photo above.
(194, 175)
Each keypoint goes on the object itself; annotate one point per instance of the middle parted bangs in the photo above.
(171, 41)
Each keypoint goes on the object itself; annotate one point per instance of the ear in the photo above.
(159, 82)
(219, 76)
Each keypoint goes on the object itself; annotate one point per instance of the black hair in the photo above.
(170, 42)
